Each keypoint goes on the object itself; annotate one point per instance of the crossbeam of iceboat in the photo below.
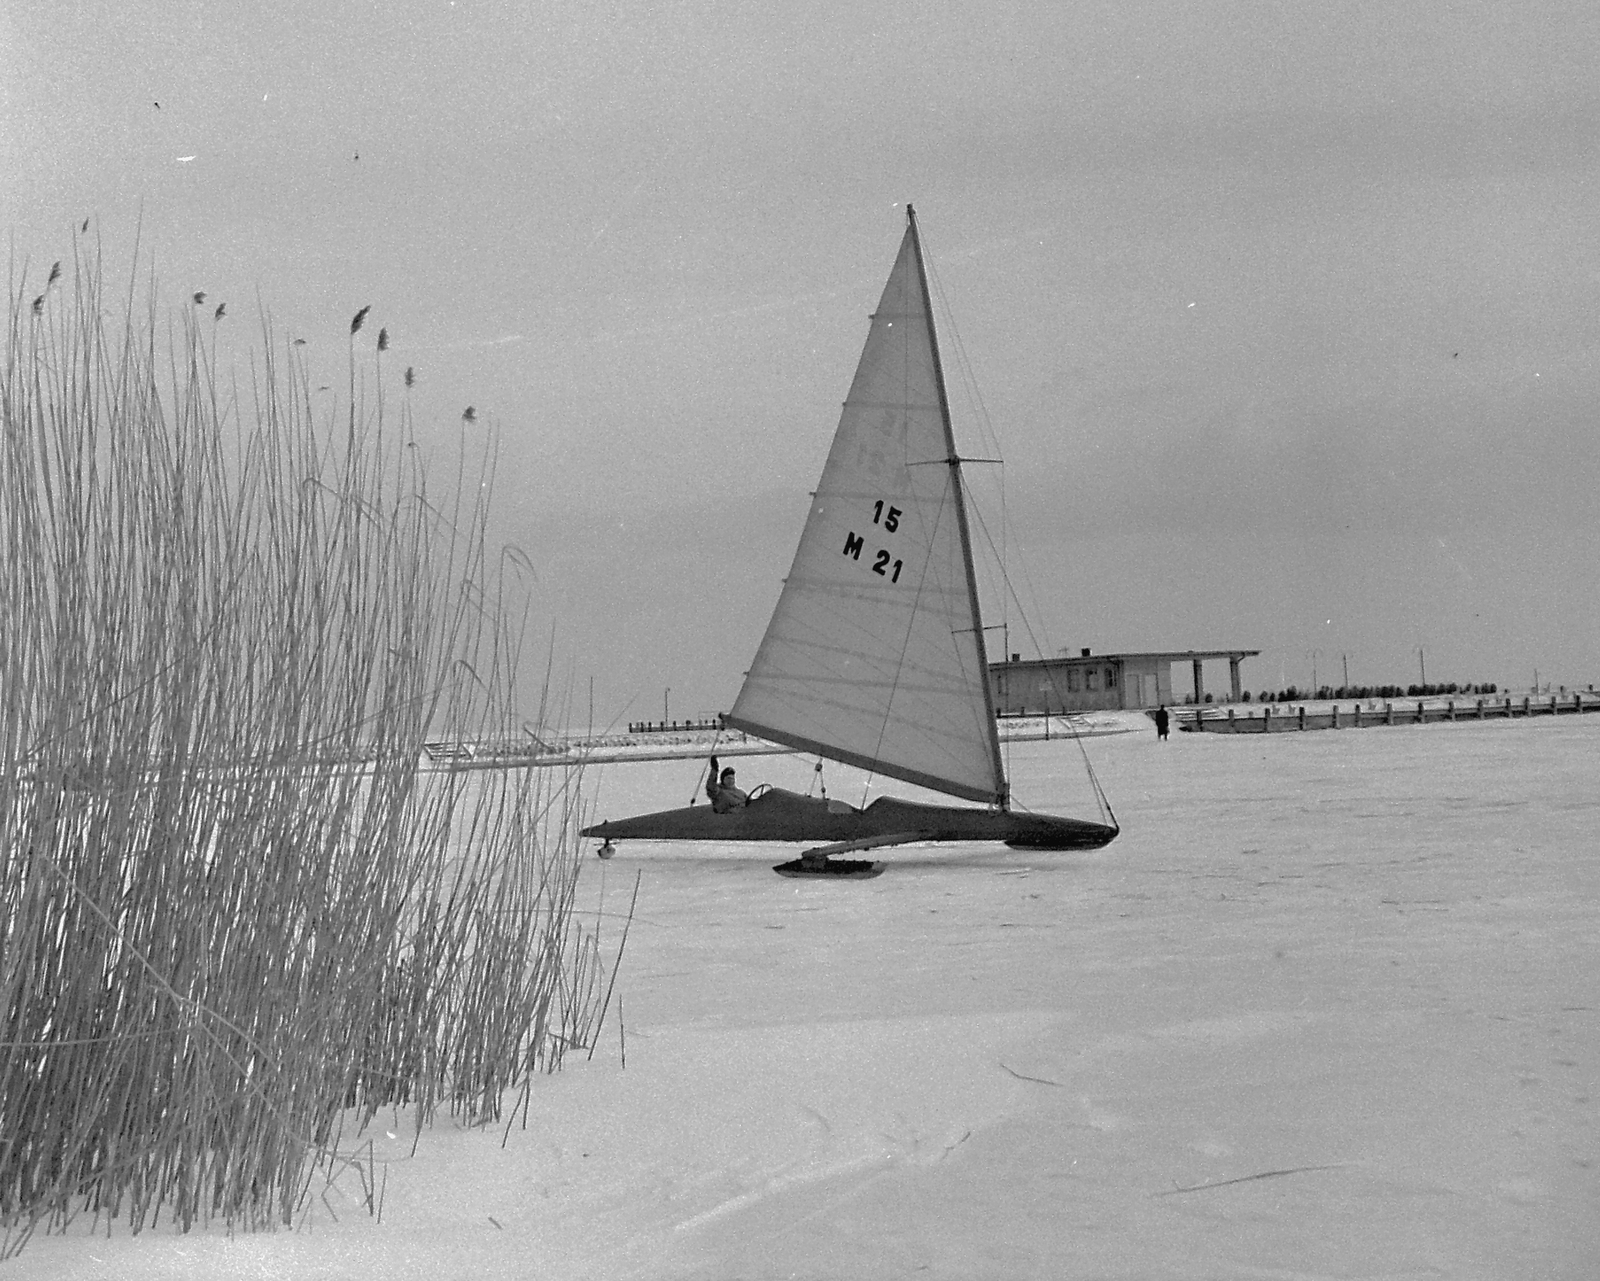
(776, 814)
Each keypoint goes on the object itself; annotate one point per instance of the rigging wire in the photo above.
(1101, 799)
(960, 485)
(990, 439)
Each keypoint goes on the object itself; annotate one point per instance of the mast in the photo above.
(1002, 789)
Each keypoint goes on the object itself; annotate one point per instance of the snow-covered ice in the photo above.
(1329, 1007)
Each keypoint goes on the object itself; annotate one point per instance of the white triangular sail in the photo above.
(875, 654)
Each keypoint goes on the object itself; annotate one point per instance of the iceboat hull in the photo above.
(779, 815)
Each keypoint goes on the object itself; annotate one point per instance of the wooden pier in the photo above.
(1285, 718)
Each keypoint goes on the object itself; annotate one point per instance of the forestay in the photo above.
(875, 654)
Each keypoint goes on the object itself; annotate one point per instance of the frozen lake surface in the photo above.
(1329, 1007)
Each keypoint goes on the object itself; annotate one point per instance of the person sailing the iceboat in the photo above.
(724, 792)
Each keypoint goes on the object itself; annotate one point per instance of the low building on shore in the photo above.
(1095, 682)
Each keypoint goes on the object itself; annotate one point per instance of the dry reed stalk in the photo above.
(235, 915)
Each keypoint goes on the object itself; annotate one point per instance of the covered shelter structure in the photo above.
(1089, 682)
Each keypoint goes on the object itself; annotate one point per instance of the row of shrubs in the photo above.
(1326, 693)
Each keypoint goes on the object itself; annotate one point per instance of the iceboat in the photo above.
(874, 655)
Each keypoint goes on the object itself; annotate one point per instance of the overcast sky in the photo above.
(1284, 316)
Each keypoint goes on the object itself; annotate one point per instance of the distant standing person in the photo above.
(1161, 723)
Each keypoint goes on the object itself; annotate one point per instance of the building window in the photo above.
(1072, 680)
(1091, 678)
(1111, 678)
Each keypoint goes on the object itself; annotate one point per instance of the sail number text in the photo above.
(882, 564)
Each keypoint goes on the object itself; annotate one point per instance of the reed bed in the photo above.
(236, 917)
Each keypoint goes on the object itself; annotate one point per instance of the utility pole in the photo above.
(666, 707)
(1345, 659)
(1314, 654)
(1422, 662)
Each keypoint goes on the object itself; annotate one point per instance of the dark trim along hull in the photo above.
(779, 815)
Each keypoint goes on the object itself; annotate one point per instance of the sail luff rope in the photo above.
(952, 489)
(916, 601)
